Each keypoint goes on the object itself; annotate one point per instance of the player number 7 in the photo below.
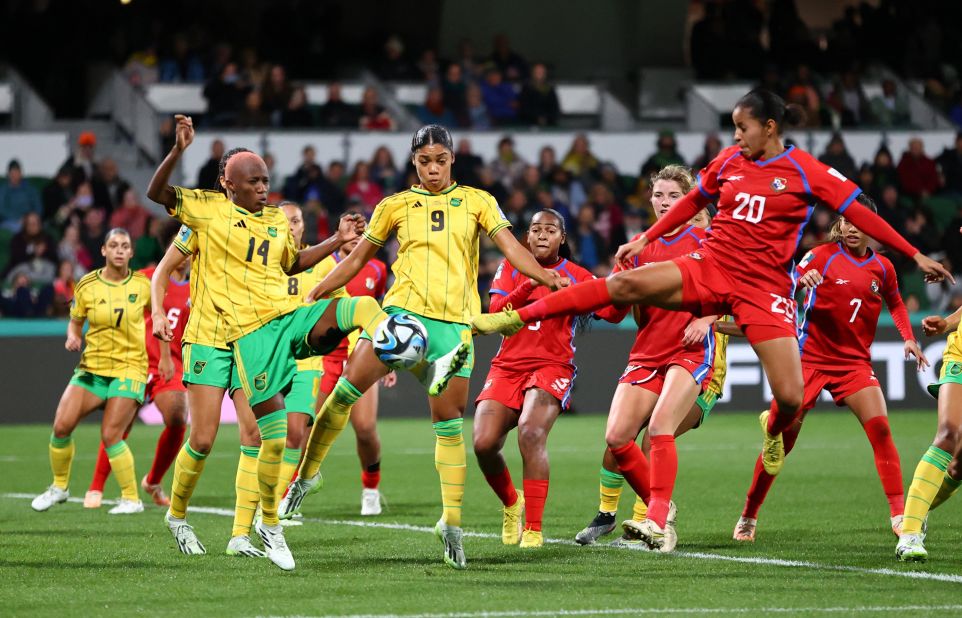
(858, 305)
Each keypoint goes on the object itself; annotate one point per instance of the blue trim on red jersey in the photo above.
(687, 231)
(808, 187)
(566, 398)
(497, 291)
(810, 303)
(727, 161)
(848, 201)
(709, 358)
(701, 189)
(784, 153)
(798, 241)
(851, 258)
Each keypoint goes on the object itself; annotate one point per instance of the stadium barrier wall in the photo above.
(36, 369)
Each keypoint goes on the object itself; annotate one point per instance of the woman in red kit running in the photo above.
(765, 194)
(528, 386)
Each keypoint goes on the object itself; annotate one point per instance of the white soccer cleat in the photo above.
(651, 534)
(671, 534)
(296, 492)
(626, 542)
(439, 373)
(93, 499)
(242, 546)
(127, 507)
(897, 524)
(911, 549)
(53, 495)
(370, 502)
(745, 529)
(183, 533)
(276, 545)
(453, 539)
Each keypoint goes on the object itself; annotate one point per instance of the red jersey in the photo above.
(371, 280)
(841, 314)
(177, 306)
(546, 342)
(763, 207)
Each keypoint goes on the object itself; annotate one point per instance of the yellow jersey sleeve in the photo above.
(195, 208)
(383, 222)
(289, 258)
(491, 217)
(953, 348)
(186, 240)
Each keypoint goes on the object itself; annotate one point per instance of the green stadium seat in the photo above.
(943, 210)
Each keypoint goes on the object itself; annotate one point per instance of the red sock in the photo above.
(371, 476)
(779, 420)
(887, 462)
(535, 494)
(634, 467)
(762, 481)
(168, 445)
(102, 468)
(502, 485)
(664, 470)
(577, 299)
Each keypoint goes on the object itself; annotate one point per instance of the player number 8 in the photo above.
(753, 204)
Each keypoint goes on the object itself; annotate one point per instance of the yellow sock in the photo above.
(273, 428)
(359, 312)
(61, 457)
(187, 469)
(610, 490)
(331, 421)
(122, 465)
(640, 511)
(925, 485)
(292, 457)
(946, 491)
(247, 490)
(451, 464)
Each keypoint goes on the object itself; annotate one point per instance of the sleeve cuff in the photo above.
(181, 247)
(848, 201)
(373, 239)
(498, 292)
(502, 225)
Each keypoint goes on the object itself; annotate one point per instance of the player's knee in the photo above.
(365, 430)
(616, 439)
(295, 435)
(485, 445)
(789, 401)
(111, 435)
(531, 437)
(622, 288)
(947, 437)
(62, 429)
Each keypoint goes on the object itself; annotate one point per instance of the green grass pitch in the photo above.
(824, 544)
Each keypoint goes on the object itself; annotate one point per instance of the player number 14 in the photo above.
(750, 207)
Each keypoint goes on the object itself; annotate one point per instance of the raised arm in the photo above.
(350, 227)
(521, 258)
(171, 261)
(159, 190)
(345, 270)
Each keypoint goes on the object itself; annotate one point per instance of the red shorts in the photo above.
(156, 384)
(708, 289)
(333, 368)
(653, 378)
(508, 386)
(840, 383)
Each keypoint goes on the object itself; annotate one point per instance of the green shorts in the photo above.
(951, 374)
(208, 366)
(303, 393)
(706, 401)
(107, 388)
(265, 358)
(442, 338)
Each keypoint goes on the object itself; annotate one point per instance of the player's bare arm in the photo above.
(810, 279)
(350, 227)
(160, 190)
(171, 261)
(937, 325)
(345, 270)
(74, 335)
(521, 258)
(697, 329)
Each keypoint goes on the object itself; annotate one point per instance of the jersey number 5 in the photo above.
(173, 316)
(750, 207)
(262, 250)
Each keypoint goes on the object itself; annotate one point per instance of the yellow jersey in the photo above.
(205, 326)
(115, 312)
(241, 258)
(436, 271)
(721, 361)
(953, 347)
(298, 287)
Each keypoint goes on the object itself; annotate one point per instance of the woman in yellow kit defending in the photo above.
(112, 372)
(438, 225)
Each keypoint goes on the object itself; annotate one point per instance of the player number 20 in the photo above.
(750, 207)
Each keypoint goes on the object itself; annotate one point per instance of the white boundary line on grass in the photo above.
(779, 562)
(634, 611)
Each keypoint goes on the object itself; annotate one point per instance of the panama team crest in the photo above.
(875, 286)
(779, 184)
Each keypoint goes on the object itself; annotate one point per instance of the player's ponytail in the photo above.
(765, 105)
(432, 134)
(222, 168)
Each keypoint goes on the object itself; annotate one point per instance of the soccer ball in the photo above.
(401, 341)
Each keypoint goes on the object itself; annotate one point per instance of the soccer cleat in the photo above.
(93, 499)
(53, 495)
(911, 549)
(370, 502)
(296, 492)
(745, 529)
(602, 524)
(452, 537)
(651, 534)
(511, 522)
(439, 373)
(276, 545)
(505, 322)
(156, 492)
(626, 542)
(773, 447)
(671, 534)
(531, 539)
(897, 525)
(127, 507)
(242, 546)
(183, 533)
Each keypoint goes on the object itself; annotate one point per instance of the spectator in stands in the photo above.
(666, 154)
(944, 294)
(919, 232)
(608, 175)
(83, 167)
(530, 183)
(150, 248)
(589, 246)
(363, 188)
(891, 107)
(547, 161)
(253, 114)
(918, 175)
(837, 156)
(509, 63)
(890, 207)
(57, 194)
(31, 242)
(297, 113)
(181, 65)
(517, 212)
(884, 172)
(92, 232)
(252, 69)
(428, 67)
(634, 222)
(454, 90)
(276, 94)
(579, 160)
(333, 198)
(950, 163)
(393, 66)
(955, 110)
(707, 37)
(468, 60)
(72, 250)
(63, 289)
(508, 165)
(207, 176)
(17, 198)
(488, 181)
(803, 92)
(373, 115)
(567, 189)
(109, 187)
(538, 101)
(709, 151)
(25, 298)
(384, 172)
(609, 216)
(499, 98)
(791, 41)
(433, 111)
(225, 94)
(467, 165)
(476, 111)
(848, 100)
(142, 68)
(335, 113)
(544, 199)
(131, 215)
